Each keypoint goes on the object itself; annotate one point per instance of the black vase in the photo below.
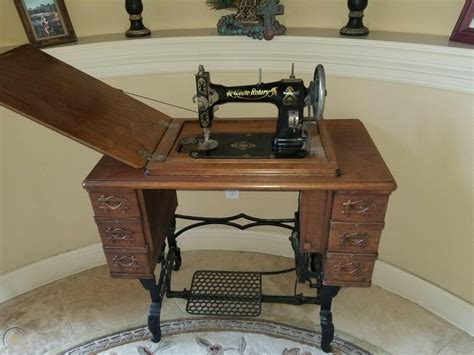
(134, 9)
(355, 26)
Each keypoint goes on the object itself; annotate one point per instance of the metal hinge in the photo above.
(150, 156)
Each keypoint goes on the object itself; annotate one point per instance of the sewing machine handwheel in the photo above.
(319, 92)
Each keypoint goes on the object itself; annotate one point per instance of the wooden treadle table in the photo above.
(343, 188)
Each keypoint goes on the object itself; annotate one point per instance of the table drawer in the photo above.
(115, 203)
(356, 238)
(346, 269)
(359, 207)
(121, 232)
(137, 261)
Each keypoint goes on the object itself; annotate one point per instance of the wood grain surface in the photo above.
(56, 95)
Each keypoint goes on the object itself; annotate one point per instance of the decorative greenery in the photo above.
(222, 4)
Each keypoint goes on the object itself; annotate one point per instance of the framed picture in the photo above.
(464, 29)
(46, 22)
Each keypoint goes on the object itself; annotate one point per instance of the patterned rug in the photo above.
(208, 337)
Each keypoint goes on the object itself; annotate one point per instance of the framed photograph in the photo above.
(46, 22)
(464, 29)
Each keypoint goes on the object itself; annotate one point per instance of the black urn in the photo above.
(134, 9)
(355, 25)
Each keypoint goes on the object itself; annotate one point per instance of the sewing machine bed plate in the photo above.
(173, 162)
(231, 146)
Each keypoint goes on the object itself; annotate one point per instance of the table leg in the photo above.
(325, 315)
(155, 308)
(170, 236)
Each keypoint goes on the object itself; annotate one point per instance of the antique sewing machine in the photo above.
(292, 136)
(149, 156)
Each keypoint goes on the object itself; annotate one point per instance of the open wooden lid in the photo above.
(79, 106)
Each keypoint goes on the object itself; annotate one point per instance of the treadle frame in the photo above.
(285, 223)
(308, 269)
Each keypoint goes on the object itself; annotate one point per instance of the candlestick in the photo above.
(355, 26)
(134, 9)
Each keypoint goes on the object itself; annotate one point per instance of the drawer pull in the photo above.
(121, 234)
(355, 239)
(348, 268)
(364, 207)
(112, 203)
(125, 261)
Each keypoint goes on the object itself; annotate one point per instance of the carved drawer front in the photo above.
(348, 269)
(121, 232)
(115, 203)
(356, 238)
(132, 261)
(359, 207)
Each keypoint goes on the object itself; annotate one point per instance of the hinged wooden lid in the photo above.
(79, 106)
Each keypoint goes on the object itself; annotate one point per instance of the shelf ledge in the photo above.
(421, 60)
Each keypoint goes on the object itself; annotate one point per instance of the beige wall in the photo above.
(92, 17)
(424, 134)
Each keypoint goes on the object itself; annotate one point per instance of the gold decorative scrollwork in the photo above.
(355, 239)
(289, 97)
(365, 207)
(118, 234)
(244, 145)
(125, 261)
(112, 203)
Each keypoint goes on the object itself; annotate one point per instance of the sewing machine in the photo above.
(291, 139)
(335, 231)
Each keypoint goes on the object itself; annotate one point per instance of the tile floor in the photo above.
(91, 304)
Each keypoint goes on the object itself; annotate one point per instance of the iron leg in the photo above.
(325, 315)
(170, 236)
(155, 308)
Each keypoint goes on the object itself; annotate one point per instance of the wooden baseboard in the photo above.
(438, 301)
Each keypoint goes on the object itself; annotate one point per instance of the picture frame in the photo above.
(46, 22)
(464, 29)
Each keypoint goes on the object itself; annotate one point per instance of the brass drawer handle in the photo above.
(125, 261)
(355, 239)
(112, 203)
(120, 234)
(365, 207)
(348, 268)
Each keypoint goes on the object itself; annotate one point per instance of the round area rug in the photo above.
(215, 337)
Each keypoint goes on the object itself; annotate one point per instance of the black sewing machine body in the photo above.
(289, 95)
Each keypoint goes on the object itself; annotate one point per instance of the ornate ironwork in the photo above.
(229, 221)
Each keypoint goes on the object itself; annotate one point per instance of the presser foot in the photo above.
(206, 145)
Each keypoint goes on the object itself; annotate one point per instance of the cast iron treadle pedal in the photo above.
(225, 293)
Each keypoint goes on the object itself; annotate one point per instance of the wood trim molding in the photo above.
(435, 66)
(438, 301)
